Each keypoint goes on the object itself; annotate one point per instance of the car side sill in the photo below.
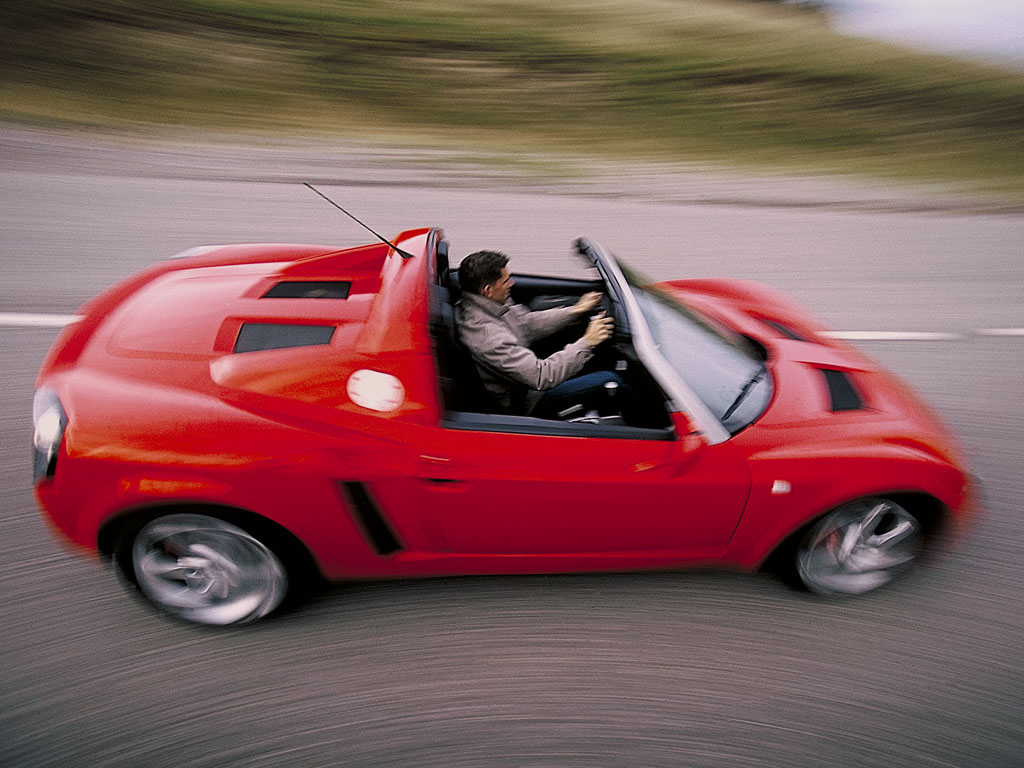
(528, 425)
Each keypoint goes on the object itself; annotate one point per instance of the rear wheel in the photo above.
(858, 547)
(205, 570)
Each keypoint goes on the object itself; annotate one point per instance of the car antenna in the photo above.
(403, 254)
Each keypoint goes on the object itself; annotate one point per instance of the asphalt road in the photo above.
(661, 669)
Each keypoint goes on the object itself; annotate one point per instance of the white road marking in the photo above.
(892, 336)
(29, 320)
(1000, 331)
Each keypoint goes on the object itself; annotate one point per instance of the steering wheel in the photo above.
(617, 312)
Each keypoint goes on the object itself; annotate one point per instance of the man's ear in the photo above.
(487, 290)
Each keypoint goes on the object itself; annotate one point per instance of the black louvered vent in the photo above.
(259, 336)
(380, 535)
(843, 394)
(319, 289)
(785, 330)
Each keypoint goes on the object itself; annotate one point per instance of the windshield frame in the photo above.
(682, 397)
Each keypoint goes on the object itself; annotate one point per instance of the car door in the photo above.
(490, 489)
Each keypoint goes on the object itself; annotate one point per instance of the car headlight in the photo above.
(50, 421)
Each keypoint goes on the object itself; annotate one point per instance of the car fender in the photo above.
(153, 446)
(794, 485)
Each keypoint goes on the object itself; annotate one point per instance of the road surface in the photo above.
(661, 669)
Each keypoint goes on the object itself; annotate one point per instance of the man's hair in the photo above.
(480, 269)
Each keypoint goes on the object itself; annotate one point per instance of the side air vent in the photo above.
(785, 330)
(843, 394)
(380, 535)
(260, 336)
(319, 289)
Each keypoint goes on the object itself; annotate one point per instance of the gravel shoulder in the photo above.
(215, 157)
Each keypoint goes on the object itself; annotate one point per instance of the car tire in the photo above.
(204, 569)
(858, 547)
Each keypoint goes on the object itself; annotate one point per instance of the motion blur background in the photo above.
(865, 156)
(756, 84)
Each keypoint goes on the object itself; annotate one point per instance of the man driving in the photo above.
(499, 332)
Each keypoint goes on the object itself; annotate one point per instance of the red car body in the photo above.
(165, 411)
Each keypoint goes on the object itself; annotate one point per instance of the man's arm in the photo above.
(504, 354)
(519, 364)
(544, 322)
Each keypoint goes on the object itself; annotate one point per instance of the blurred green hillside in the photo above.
(742, 82)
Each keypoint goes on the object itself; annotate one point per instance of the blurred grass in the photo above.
(754, 84)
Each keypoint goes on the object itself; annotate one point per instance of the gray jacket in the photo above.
(499, 338)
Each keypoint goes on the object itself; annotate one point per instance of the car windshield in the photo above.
(723, 369)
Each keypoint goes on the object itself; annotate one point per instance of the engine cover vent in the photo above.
(317, 289)
(259, 336)
(842, 392)
(784, 329)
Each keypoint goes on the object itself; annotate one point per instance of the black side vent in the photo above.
(785, 330)
(843, 394)
(380, 535)
(259, 336)
(320, 289)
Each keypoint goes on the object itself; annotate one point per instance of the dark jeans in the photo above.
(588, 390)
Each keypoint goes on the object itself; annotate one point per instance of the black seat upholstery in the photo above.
(461, 386)
(443, 266)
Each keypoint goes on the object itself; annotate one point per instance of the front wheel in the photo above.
(205, 570)
(858, 547)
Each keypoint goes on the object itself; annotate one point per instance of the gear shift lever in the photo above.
(611, 388)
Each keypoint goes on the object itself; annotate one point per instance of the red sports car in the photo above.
(238, 423)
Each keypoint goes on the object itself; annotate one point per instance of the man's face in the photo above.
(499, 290)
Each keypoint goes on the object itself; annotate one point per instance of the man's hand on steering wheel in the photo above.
(586, 303)
(598, 330)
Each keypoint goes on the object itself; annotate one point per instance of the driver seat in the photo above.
(461, 386)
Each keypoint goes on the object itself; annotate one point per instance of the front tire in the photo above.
(858, 547)
(205, 570)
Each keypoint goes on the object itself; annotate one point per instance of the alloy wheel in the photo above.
(206, 570)
(858, 547)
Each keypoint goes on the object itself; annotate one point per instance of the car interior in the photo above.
(468, 405)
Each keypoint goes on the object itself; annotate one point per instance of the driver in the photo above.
(499, 332)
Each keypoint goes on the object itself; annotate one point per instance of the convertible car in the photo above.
(236, 425)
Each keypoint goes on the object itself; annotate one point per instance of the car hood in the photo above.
(820, 382)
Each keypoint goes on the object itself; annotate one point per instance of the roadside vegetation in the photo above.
(746, 83)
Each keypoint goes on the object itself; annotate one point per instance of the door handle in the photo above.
(435, 461)
(430, 464)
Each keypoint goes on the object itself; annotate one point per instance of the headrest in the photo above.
(454, 288)
(442, 262)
